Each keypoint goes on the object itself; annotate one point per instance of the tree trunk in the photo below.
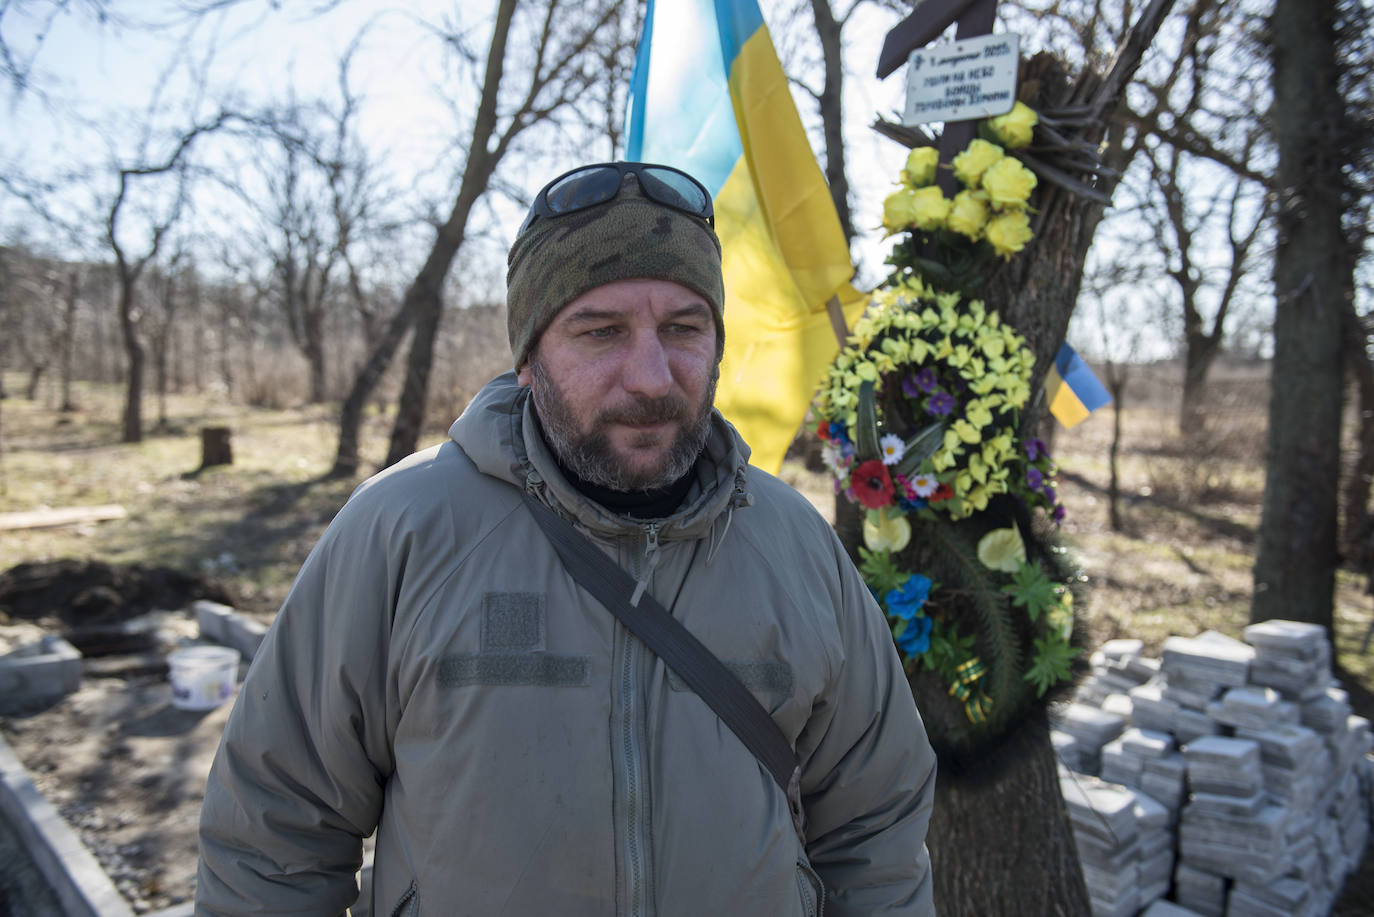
(1295, 566)
(976, 870)
(378, 359)
(1116, 378)
(1357, 540)
(426, 293)
(832, 112)
(1199, 355)
(410, 410)
(68, 341)
(133, 349)
(35, 377)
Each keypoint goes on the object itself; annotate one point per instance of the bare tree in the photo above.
(1319, 144)
(561, 65)
(1089, 138)
(1236, 207)
(131, 265)
(554, 60)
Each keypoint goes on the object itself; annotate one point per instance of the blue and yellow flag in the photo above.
(1072, 389)
(709, 97)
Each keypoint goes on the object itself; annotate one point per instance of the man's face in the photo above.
(623, 381)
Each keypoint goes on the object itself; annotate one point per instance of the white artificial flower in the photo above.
(924, 484)
(892, 447)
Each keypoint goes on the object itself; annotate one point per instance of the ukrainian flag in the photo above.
(1072, 389)
(709, 96)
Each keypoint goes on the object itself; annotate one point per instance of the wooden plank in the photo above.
(922, 27)
(62, 515)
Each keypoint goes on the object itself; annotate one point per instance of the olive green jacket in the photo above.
(436, 675)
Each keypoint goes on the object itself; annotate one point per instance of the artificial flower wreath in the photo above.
(921, 414)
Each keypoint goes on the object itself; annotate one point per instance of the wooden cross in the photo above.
(924, 25)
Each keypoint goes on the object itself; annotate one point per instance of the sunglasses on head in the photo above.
(587, 186)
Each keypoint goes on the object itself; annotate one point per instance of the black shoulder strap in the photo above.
(683, 653)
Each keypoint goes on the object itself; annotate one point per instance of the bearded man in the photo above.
(438, 676)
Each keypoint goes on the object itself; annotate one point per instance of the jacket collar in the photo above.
(499, 434)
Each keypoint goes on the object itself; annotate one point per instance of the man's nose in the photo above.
(646, 370)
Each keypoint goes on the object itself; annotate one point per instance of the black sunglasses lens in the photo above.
(675, 190)
(582, 189)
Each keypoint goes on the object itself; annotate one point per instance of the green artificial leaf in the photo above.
(921, 447)
(948, 649)
(1051, 664)
(880, 570)
(866, 424)
(1032, 589)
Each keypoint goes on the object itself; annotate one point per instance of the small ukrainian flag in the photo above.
(1072, 389)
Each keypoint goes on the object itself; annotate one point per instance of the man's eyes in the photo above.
(607, 332)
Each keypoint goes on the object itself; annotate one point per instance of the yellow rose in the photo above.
(931, 208)
(884, 532)
(1013, 130)
(1008, 232)
(970, 165)
(1008, 184)
(968, 214)
(920, 166)
(1002, 549)
(899, 210)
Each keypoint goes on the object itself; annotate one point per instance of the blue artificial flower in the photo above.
(905, 601)
(838, 433)
(911, 504)
(915, 636)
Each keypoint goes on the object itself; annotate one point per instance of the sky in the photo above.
(94, 81)
(91, 71)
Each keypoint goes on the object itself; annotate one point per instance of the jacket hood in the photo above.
(499, 433)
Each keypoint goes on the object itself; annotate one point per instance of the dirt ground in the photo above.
(126, 768)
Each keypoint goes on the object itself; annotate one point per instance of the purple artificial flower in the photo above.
(1035, 448)
(1049, 493)
(940, 403)
(1058, 514)
(1034, 479)
(909, 387)
(926, 380)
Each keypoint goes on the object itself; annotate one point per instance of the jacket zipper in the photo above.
(637, 833)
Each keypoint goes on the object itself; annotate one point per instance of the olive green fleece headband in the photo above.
(629, 237)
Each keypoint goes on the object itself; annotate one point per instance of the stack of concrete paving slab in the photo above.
(1087, 729)
(1106, 831)
(1248, 749)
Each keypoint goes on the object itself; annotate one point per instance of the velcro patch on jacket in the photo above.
(547, 670)
(773, 679)
(512, 621)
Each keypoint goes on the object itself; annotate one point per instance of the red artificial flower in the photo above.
(943, 492)
(823, 430)
(872, 484)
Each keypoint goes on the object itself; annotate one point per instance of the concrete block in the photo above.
(221, 624)
(71, 871)
(38, 674)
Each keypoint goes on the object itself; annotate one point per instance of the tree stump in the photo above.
(215, 447)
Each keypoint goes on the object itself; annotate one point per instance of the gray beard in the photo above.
(590, 455)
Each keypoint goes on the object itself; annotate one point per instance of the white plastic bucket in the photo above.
(203, 677)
